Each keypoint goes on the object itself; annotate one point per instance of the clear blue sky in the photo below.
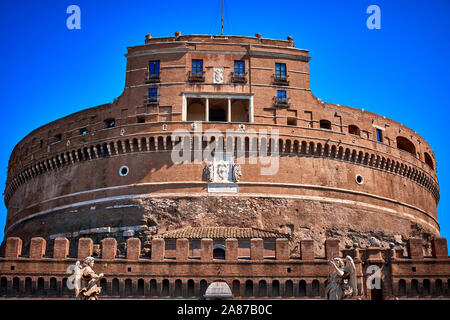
(400, 71)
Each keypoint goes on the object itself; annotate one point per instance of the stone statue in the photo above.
(374, 242)
(209, 172)
(237, 173)
(85, 281)
(342, 281)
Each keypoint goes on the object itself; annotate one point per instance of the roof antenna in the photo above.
(221, 30)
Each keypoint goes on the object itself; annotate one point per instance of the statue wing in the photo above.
(77, 277)
(350, 266)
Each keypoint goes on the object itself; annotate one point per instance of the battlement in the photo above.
(257, 250)
(258, 274)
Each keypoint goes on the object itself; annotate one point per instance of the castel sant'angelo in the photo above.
(217, 163)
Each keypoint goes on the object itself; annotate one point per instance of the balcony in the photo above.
(151, 100)
(151, 78)
(238, 78)
(280, 80)
(281, 103)
(196, 77)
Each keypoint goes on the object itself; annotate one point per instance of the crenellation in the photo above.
(85, 248)
(37, 248)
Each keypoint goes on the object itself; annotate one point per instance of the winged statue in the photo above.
(342, 282)
(84, 280)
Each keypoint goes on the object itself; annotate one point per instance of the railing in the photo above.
(151, 78)
(281, 80)
(238, 78)
(196, 76)
(281, 103)
(151, 100)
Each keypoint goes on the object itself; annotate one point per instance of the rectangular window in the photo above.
(197, 66)
(280, 70)
(281, 95)
(153, 67)
(239, 67)
(153, 92)
(379, 135)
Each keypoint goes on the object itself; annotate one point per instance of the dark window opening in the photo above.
(379, 135)
(109, 123)
(83, 131)
(352, 129)
(402, 288)
(41, 143)
(325, 124)
(275, 288)
(429, 160)
(58, 137)
(140, 119)
(165, 288)
(219, 253)
(406, 145)
(291, 121)
(248, 288)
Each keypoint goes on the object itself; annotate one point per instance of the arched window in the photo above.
(203, 287)
(128, 287)
(153, 288)
(40, 286)
(219, 251)
(275, 288)
(315, 288)
(140, 288)
(3, 284)
(406, 145)
(177, 291)
(429, 160)
(426, 287)
(165, 288)
(402, 287)
(438, 287)
(414, 287)
(103, 283)
(325, 124)
(115, 287)
(262, 288)
(302, 288)
(248, 288)
(16, 284)
(28, 285)
(289, 289)
(352, 129)
(190, 288)
(53, 284)
(236, 288)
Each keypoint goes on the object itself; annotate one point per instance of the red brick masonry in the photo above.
(257, 276)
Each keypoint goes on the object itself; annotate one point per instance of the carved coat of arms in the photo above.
(218, 75)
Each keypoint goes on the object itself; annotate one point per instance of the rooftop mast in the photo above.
(221, 30)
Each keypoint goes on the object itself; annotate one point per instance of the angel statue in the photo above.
(342, 281)
(209, 172)
(84, 280)
(237, 173)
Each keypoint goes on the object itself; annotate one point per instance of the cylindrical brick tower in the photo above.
(295, 165)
